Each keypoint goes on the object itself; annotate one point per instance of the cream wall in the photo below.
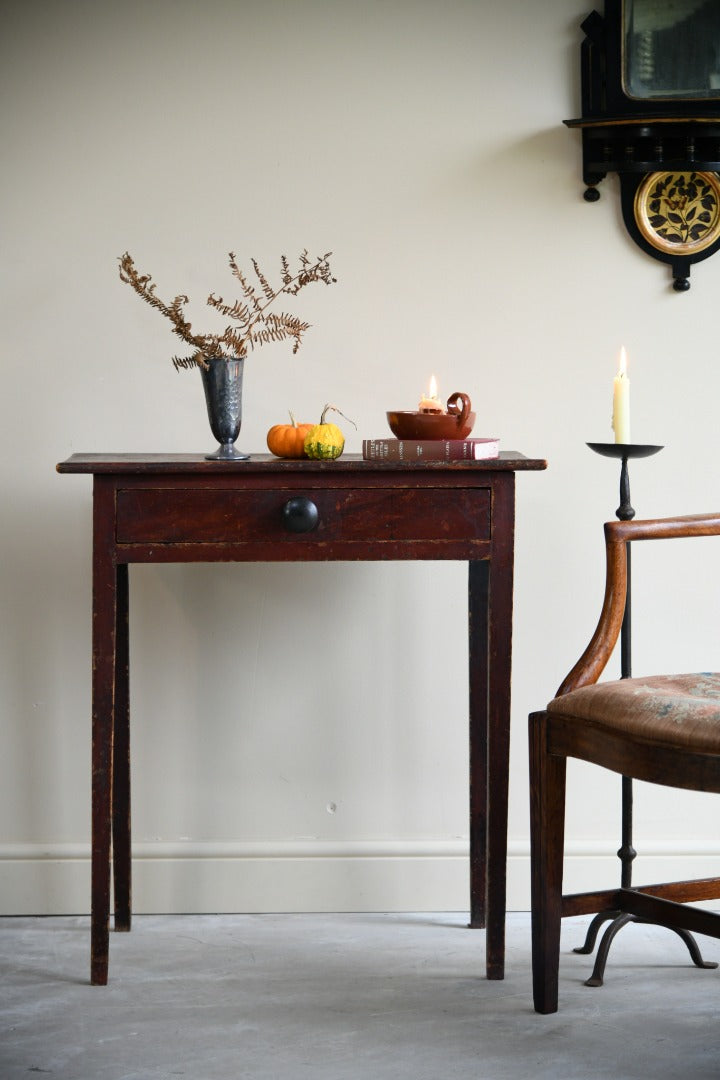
(422, 143)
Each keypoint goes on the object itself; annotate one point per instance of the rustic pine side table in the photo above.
(158, 508)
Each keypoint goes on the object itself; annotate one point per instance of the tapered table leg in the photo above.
(490, 648)
(104, 637)
(478, 580)
(499, 662)
(121, 833)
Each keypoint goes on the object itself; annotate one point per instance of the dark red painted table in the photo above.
(156, 508)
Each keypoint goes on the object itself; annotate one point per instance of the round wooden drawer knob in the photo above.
(300, 515)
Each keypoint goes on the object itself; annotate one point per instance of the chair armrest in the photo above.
(664, 528)
(618, 534)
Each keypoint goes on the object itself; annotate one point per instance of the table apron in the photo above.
(306, 551)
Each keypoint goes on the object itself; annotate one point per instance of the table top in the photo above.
(508, 461)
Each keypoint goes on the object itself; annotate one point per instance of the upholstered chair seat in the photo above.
(681, 711)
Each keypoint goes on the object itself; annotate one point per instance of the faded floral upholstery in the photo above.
(678, 710)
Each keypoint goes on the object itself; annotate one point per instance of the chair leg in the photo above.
(547, 835)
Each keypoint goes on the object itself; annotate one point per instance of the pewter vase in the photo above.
(222, 383)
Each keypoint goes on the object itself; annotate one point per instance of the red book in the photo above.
(430, 449)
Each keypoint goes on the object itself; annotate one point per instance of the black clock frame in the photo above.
(634, 137)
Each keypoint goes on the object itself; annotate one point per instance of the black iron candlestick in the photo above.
(626, 852)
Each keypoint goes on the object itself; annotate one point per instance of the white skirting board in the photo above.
(307, 875)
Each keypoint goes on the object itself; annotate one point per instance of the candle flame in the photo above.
(433, 389)
(623, 362)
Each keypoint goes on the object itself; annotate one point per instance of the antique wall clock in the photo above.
(651, 113)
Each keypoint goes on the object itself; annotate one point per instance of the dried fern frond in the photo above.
(238, 311)
(255, 325)
(285, 269)
(186, 362)
(279, 327)
(145, 288)
(288, 322)
(247, 288)
(267, 288)
(234, 341)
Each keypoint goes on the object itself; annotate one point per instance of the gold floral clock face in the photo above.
(679, 212)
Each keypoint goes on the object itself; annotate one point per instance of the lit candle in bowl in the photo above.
(430, 402)
(621, 402)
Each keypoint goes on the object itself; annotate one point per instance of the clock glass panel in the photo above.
(671, 49)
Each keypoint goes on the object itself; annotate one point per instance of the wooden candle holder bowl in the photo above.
(456, 423)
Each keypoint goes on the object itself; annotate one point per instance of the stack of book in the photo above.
(430, 449)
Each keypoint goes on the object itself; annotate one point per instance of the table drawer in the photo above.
(234, 515)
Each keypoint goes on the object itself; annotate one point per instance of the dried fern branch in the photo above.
(252, 324)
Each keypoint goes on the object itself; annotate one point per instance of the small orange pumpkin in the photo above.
(288, 440)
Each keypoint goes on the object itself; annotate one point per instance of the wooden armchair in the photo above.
(664, 729)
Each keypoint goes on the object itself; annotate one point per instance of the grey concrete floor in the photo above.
(345, 997)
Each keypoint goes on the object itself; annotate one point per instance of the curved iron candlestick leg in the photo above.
(693, 948)
(626, 852)
(593, 930)
(598, 972)
(596, 979)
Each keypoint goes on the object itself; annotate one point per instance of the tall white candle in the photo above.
(621, 402)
